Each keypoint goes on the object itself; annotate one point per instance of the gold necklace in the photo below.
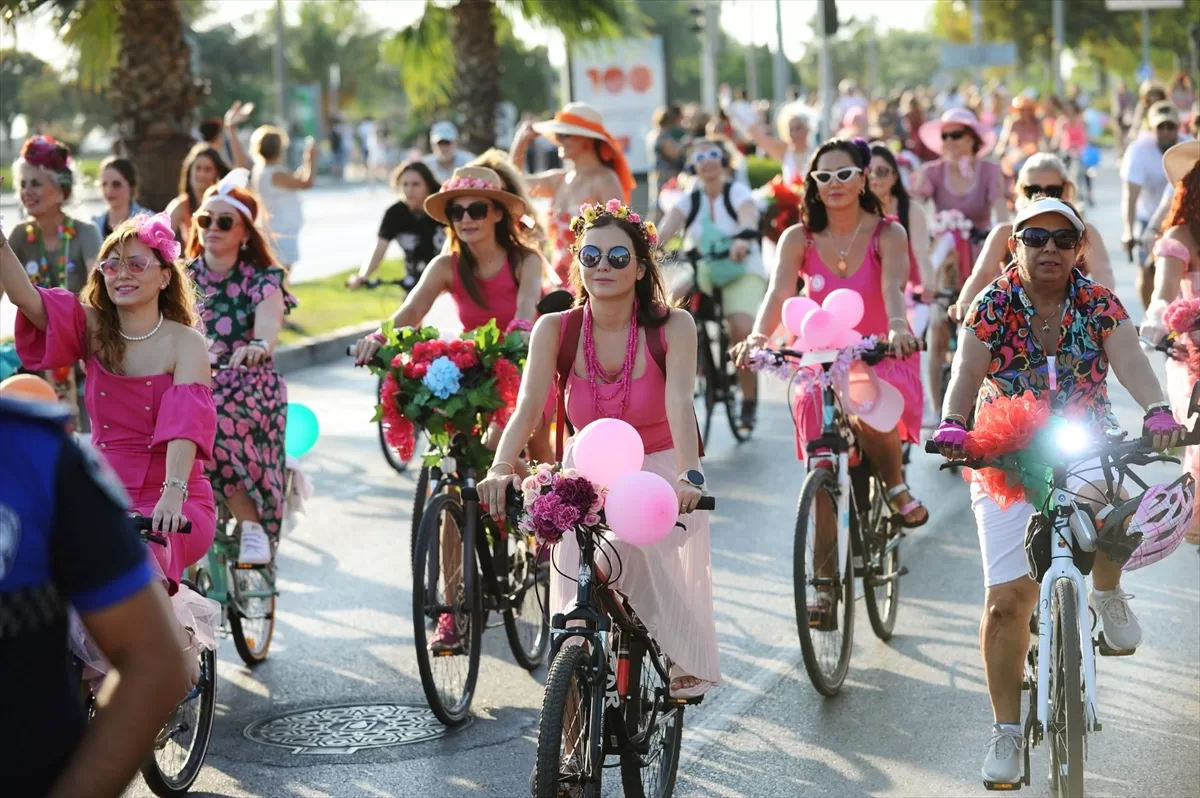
(842, 266)
(1046, 319)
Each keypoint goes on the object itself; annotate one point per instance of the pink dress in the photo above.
(905, 374)
(976, 202)
(558, 227)
(500, 291)
(133, 419)
(669, 584)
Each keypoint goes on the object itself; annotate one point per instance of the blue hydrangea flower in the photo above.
(442, 378)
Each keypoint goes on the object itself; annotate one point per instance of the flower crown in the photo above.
(46, 152)
(588, 214)
(459, 183)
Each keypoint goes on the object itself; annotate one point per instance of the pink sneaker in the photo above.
(446, 639)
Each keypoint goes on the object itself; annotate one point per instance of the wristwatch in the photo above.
(693, 478)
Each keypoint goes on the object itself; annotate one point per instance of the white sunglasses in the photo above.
(844, 175)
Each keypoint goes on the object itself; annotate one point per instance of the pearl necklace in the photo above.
(147, 335)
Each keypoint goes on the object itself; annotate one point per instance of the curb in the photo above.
(321, 348)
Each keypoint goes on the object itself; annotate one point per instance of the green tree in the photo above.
(235, 66)
(138, 50)
(328, 33)
(453, 54)
(19, 72)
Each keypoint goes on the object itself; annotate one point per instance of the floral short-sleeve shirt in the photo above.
(1002, 317)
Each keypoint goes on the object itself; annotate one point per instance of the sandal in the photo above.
(688, 687)
(908, 509)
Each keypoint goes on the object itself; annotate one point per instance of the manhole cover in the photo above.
(347, 728)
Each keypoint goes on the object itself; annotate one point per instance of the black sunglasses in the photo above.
(1050, 191)
(953, 135)
(1038, 237)
(476, 210)
(618, 257)
(224, 221)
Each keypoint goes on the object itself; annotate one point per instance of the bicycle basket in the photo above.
(1039, 538)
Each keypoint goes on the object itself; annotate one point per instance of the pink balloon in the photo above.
(820, 329)
(606, 450)
(847, 338)
(641, 508)
(794, 311)
(846, 306)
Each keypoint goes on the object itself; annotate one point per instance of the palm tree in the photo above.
(465, 34)
(138, 50)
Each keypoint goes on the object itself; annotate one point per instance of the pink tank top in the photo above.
(820, 280)
(1073, 137)
(647, 410)
(976, 202)
(500, 291)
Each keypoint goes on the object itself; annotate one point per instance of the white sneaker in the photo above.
(256, 546)
(1121, 628)
(1004, 762)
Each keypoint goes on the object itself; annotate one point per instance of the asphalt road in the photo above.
(912, 719)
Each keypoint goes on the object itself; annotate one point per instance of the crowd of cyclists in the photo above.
(163, 327)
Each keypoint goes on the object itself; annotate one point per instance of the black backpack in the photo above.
(695, 211)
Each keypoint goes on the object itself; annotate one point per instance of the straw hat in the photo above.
(473, 181)
(1181, 159)
(930, 133)
(575, 119)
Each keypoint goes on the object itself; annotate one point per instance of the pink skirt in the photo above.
(669, 584)
(903, 375)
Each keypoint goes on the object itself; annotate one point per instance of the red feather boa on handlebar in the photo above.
(1005, 426)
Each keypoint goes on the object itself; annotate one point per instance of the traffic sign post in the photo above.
(1145, 69)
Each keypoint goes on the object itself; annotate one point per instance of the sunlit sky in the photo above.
(745, 20)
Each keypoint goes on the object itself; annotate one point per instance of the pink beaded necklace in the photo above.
(619, 382)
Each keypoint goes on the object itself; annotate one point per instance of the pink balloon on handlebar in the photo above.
(606, 450)
(847, 338)
(820, 329)
(794, 311)
(641, 508)
(846, 306)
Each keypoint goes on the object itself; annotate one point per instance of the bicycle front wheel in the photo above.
(180, 748)
(655, 729)
(447, 615)
(708, 379)
(565, 746)
(1066, 730)
(823, 588)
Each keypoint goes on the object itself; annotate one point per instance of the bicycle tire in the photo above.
(826, 681)
(420, 499)
(708, 373)
(881, 609)
(529, 603)
(1067, 720)
(451, 710)
(252, 648)
(729, 388)
(167, 785)
(633, 765)
(570, 666)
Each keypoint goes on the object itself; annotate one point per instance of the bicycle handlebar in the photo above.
(882, 351)
(1124, 450)
(514, 506)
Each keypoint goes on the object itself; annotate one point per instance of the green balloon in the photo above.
(302, 430)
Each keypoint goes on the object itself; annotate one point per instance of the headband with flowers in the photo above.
(459, 183)
(588, 214)
(48, 153)
(155, 232)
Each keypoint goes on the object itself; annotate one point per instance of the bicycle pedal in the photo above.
(1108, 651)
(686, 702)
(1002, 786)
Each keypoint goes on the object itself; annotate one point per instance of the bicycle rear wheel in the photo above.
(821, 588)
(449, 673)
(565, 733)
(181, 746)
(881, 562)
(525, 621)
(649, 770)
(252, 620)
(1066, 732)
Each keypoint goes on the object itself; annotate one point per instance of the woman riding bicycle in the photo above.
(420, 236)
(844, 225)
(719, 218)
(1042, 327)
(243, 301)
(614, 375)
(148, 396)
(1177, 273)
(490, 272)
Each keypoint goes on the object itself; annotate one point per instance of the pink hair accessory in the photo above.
(460, 183)
(155, 232)
(518, 324)
(1170, 248)
(45, 152)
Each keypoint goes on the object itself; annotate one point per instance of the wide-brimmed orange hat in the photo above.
(581, 119)
(474, 181)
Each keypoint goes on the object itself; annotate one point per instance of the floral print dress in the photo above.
(251, 402)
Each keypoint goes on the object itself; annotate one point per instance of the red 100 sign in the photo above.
(615, 79)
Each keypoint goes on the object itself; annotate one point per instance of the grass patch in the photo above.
(88, 170)
(327, 305)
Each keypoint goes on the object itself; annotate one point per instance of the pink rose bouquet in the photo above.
(558, 502)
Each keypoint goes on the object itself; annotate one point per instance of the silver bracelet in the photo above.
(175, 482)
(1158, 405)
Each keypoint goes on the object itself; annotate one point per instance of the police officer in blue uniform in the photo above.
(65, 539)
